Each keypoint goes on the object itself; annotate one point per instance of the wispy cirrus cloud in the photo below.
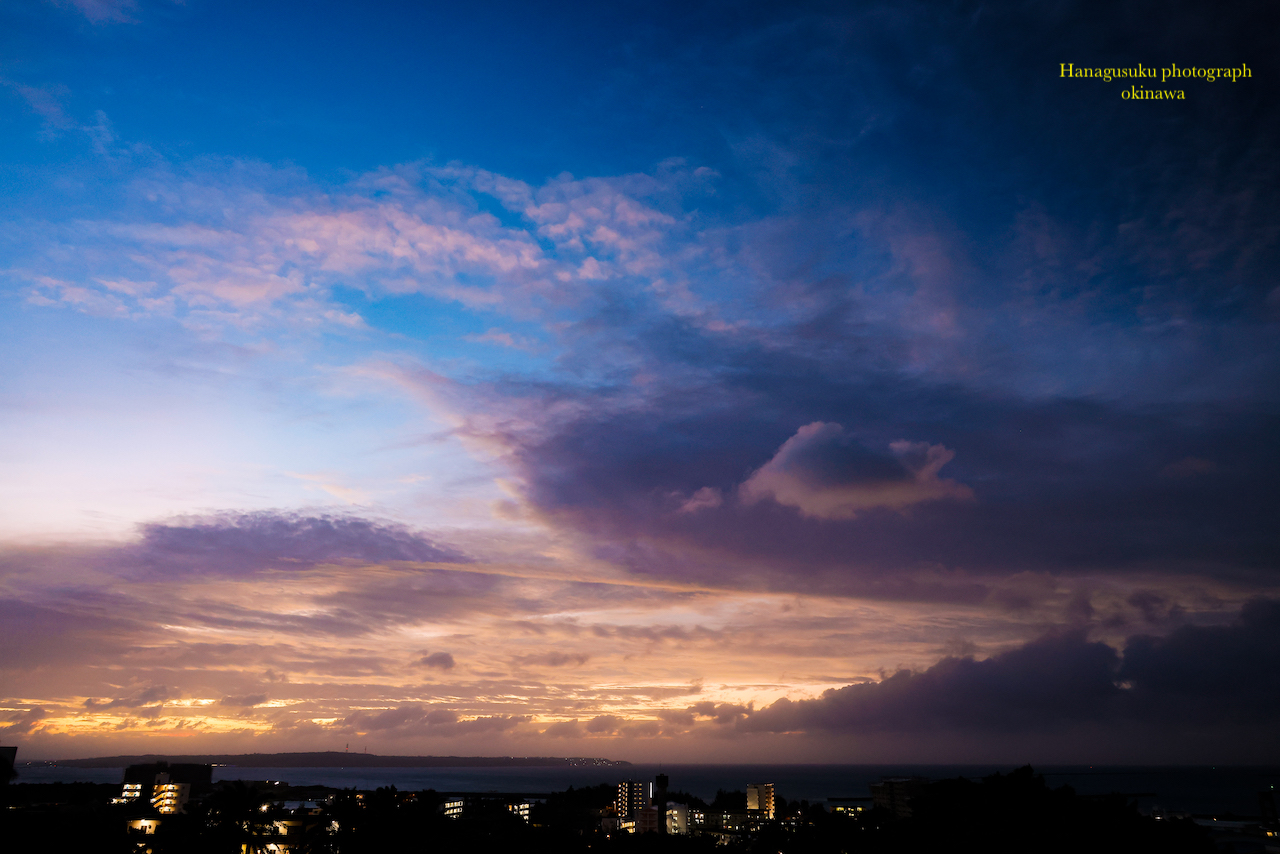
(103, 11)
(47, 101)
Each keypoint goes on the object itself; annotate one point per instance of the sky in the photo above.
(770, 382)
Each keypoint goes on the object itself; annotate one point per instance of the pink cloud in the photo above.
(706, 498)
(824, 473)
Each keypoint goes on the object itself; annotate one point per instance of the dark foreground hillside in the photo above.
(1014, 812)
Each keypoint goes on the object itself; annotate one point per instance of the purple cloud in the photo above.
(1058, 485)
(824, 473)
(236, 543)
(146, 697)
(437, 661)
(1205, 675)
(604, 724)
(1210, 673)
(556, 659)
(416, 719)
(564, 729)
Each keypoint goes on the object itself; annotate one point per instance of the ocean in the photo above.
(1197, 790)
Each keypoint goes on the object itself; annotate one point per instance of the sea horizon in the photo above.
(1190, 789)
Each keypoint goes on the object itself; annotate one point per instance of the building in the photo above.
(485, 806)
(894, 794)
(760, 799)
(129, 793)
(848, 806)
(143, 826)
(8, 755)
(168, 798)
(678, 819)
(632, 797)
(166, 787)
(652, 819)
(658, 794)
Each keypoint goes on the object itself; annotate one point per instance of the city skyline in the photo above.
(686, 382)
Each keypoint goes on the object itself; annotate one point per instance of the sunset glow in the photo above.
(665, 383)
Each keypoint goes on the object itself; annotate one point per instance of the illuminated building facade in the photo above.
(486, 805)
(760, 799)
(166, 787)
(632, 797)
(677, 819)
(130, 793)
(144, 826)
(848, 806)
(169, 798)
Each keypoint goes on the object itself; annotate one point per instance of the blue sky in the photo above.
(497, 379)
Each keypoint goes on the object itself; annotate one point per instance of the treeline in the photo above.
(1011, 813)
(1014, 812)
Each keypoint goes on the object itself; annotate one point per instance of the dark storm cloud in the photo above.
(240, 543)
(824, 473)
(1069, 295)
(1059, 485)
(1203, 674)
(1206, 675)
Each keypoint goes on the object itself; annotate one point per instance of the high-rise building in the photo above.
(632, 797)
(760, 799)
(659, 800)
(8, 755)
(895, 793)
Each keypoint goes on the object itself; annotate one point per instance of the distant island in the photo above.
(338, 759)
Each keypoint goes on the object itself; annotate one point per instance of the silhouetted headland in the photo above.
(339, 759)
